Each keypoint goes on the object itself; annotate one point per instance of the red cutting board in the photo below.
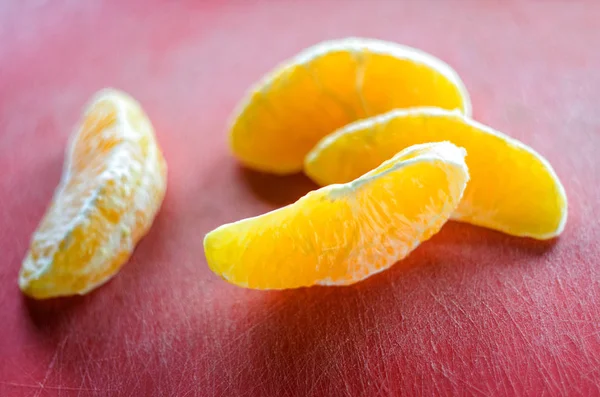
(471, 312)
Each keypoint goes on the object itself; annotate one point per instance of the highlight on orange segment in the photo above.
(513, 188)
(341, 234)
(329, 85)
(113, 184)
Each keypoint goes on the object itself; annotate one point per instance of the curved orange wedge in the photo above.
(113, 184)
(330, 85)
(513, 189)
(341, 234)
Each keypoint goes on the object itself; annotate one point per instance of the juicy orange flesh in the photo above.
(89, 149)
(300, 103)
(389, 83)
(84, 238)
(512, 188)
(339, 234)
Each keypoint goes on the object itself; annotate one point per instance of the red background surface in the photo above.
(471, 312)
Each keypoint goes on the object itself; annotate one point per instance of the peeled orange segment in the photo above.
(330, 85)
(341, 234)
(513, 189)
(113, 183)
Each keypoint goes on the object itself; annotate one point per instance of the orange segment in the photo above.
(113, 183)
(341, 234)
(513, 189)
(330, 85)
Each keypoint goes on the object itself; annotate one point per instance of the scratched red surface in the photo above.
(471, 312)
